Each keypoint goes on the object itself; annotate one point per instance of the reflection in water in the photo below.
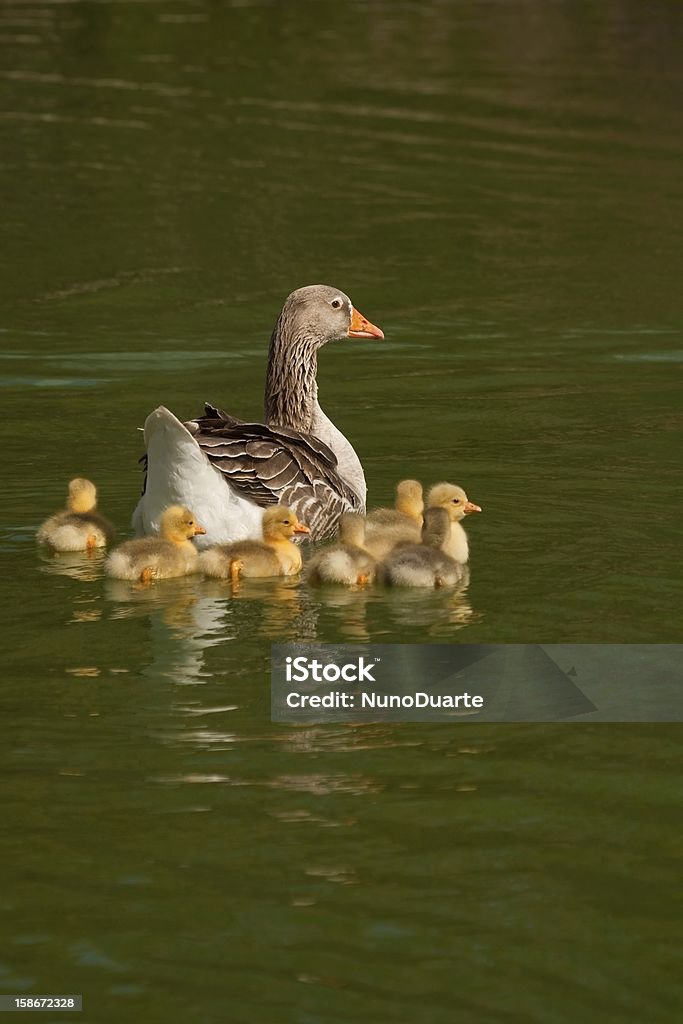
(188, 616)
(85, 566)
(183, 624)
(170, 598)
(349, 607)
(433, 609)
(287, 609)
(354, 609)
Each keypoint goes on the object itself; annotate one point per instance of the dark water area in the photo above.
(497, 185)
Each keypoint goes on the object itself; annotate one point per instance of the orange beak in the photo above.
(199, 530)
(300, 528)
(362, 328)
(470, 507)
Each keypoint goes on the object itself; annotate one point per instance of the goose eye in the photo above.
(285, 522)
(336, 303)
(456, 501)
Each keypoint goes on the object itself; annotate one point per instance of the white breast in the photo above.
(348, 463)
(456, 545)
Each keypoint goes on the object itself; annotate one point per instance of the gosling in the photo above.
(425, 564)
(387, 527)
(79, 527)
(456, 503)
(347, 561)
(274, 555)
(159, 558)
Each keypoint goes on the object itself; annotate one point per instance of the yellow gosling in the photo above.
(80, 527)
(159, 558)
(387, 527)
(275, 555)
(347, 561)
(456, 503)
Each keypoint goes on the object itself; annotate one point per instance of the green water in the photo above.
(498, 186)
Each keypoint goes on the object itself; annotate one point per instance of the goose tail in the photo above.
(174, 460)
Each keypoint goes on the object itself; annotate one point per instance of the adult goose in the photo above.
(227, 470)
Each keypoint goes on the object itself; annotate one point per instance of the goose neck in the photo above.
(291, 390)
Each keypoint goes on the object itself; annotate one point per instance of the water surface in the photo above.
(497, 184)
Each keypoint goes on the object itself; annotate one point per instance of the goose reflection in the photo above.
(183, 624)
(189, 616)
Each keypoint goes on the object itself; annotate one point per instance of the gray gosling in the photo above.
(425, 564)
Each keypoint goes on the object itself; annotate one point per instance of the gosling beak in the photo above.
(300, 528)
(199, 530)
(470, 507)
(362, 328)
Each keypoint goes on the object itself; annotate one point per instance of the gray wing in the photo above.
(275, 465)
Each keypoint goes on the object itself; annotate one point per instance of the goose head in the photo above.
(280, 523)
(82, 496)
(320, 313)
(437, 525)
(178, 524)
(310, 318)
(453, 499)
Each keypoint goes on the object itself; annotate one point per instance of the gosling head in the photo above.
(280, 523)
(436, 527)
(178, 524)
(82, 496)
(409, 498)
(319, 313)
(352, 529)
(453, 499)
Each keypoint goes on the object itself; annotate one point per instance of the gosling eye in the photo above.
(336, 303)
(285, 522)
(456, 501)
